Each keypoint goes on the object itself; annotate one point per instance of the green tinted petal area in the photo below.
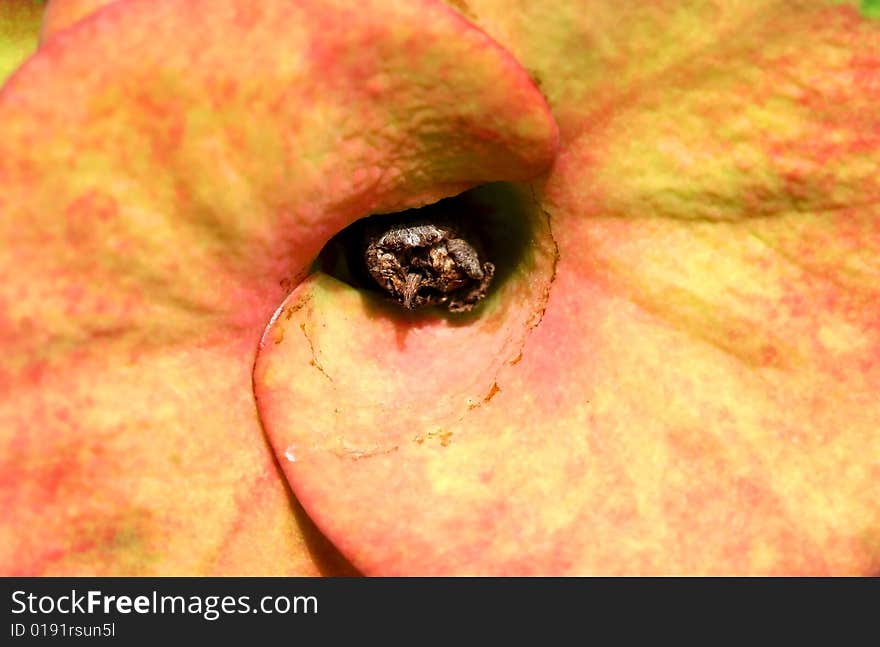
(19, 30)
(871, 8)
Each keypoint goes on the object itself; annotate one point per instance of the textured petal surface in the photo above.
(155, 213)
(61, 14)
(701, 393)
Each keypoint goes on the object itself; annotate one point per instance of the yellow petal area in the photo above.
(167, 171)
(19, 30)
(701, 393)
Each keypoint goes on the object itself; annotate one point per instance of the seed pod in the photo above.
(428, 264)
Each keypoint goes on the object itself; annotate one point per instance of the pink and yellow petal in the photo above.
(154, 215)
(700, 395)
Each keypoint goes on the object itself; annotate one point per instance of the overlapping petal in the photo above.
(168, 170)
(701, 393)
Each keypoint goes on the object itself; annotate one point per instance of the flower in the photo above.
(679, 376)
